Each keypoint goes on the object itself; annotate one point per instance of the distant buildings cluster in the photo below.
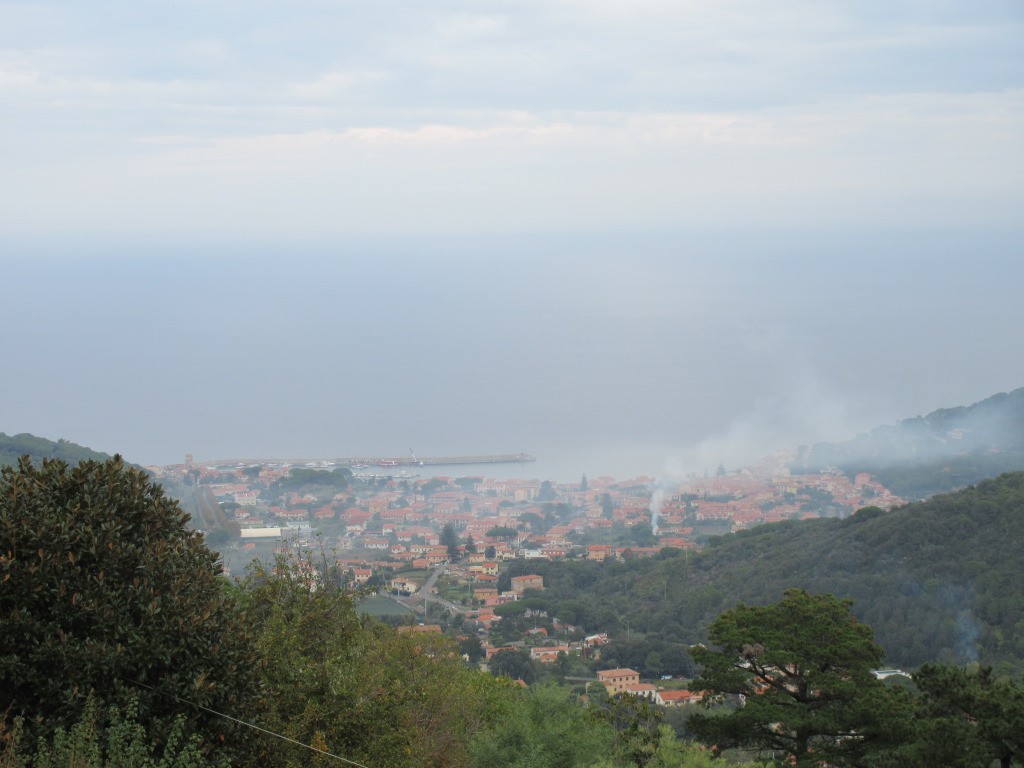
(399, 521)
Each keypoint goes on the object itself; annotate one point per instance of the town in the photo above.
(434, 549)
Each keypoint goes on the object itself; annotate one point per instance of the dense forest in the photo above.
(948, 449)
(939, 580)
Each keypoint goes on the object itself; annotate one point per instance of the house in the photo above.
(641, 691)
(677, 698)
(325, 513)
(489, 651)
(362, 575)
(522, 583)
(616, 680)
(404, 585)
(548, 654)
(261, 533)
(247, 498)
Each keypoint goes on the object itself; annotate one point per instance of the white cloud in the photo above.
(461, 26)
(573, 114)
(890, 160)
(331, 84)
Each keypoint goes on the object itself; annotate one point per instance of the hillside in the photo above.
(13, 447)
(948, 449)
(940, 580)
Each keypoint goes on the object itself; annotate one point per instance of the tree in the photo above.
(105, 592)
(472, 648)
(544, 727)
(450, 540)
(607, 507)
(968, 717)
(432, 486)
(643, 535)
(217, 537)
(501, 532)
(490, 552)
(470, 545)
(546, 492)
(515, 665)
(353, 686)
(109, 739)
(532, 521)
(802, 669)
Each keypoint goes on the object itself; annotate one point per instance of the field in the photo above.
(382, 606)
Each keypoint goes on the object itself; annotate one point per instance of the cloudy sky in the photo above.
(653, 231)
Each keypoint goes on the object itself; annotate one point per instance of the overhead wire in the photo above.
(253, 726)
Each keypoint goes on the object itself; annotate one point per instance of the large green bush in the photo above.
(106, 593)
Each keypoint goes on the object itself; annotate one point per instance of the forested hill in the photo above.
(13, 447)
(941, 580)
(945, 450)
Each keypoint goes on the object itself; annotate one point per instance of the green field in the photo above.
(382, 606)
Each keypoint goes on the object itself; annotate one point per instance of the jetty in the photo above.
(379, 461)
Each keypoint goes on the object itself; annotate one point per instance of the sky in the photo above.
(628, 237)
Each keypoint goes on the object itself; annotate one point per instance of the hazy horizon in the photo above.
(653, 363)
(629, 238)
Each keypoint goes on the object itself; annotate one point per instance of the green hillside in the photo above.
(940, 580)
(948, 449)
(13, 447)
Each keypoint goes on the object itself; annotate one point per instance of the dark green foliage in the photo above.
(501, 532)
(431, 486)
(450, 540)
(968, 718)
(14, 447)
(472, 648)
(311, 481)
(112, 739)
(515, 665)
(104, 591)
(652, 655)
(637, 725)
(941, 580)
(803, 668)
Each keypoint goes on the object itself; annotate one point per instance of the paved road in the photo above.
(434, 576)
(425, 589)
(415, 601)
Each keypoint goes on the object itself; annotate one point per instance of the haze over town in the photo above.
(629, 239)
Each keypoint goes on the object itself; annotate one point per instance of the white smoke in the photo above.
(657, 502)
(800, 411)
